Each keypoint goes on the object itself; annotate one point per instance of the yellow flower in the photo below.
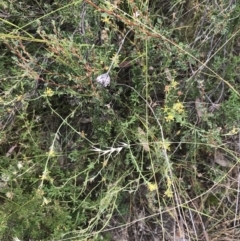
(48, 92)
(151, 186)
(51, 153)
(104, 179)
(234, 131)
(45, 175)
(174, 84)
(169, 192)
(46, 201)
(115, 60)
(165, 145)
(166, 109)
(178, 107)
(19, 97)
(106, 20)
(170, 117)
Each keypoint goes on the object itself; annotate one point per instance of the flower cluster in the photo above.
(174, 109)
(178, 107)
(152, 186)
(48, 92)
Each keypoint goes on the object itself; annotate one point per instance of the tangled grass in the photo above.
(119, 120)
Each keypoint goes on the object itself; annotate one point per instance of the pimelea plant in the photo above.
(119, 120)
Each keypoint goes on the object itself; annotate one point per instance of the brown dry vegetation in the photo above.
(154, 156)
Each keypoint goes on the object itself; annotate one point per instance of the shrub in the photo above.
(119, 119)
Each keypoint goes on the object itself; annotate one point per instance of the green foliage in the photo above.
(81, 161)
